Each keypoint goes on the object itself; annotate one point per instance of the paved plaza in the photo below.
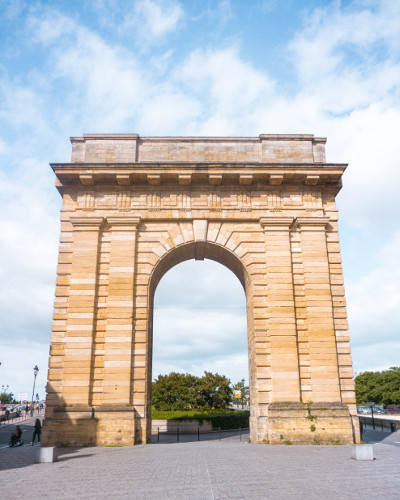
(226, 469)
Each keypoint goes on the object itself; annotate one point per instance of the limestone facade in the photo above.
(135, 207)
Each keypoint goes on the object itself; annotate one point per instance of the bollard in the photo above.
(392, 427)
(177, 433)
(158, 434)
(46, 454)
(220, 433)
(362, 452)
(198, 433)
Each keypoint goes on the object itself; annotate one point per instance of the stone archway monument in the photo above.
(133, 207)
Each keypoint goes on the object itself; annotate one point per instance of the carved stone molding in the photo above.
(86, 223)
(276, 223)
(124, 223)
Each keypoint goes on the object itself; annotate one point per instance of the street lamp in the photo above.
(35, 372)
(242, 391)
(371, 405)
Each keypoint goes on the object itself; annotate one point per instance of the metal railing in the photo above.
(177, 435)
(377, 424)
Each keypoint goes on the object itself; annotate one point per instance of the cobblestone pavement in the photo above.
(203, 470)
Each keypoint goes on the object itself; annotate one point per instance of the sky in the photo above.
(225, 68)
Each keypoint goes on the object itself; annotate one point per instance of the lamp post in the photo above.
(242, 391)
(35, 372)
(371, 405)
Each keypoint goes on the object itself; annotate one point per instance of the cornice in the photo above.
(186, 173)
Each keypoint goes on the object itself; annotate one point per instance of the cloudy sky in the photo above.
(169, 67)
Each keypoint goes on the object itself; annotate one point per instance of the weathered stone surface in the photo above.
(133, 208)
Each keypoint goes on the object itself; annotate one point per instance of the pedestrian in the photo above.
(37, 431)
(7, 414)
(26, 410)
(17, 435)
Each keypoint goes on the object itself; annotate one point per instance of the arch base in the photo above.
(312, 423)
(109, 425)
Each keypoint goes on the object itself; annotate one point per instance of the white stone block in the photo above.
(362, 452)
(46, 454)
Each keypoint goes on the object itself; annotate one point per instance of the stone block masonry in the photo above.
(134, 207)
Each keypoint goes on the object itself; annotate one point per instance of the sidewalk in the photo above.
(22, 418)
(204, 470)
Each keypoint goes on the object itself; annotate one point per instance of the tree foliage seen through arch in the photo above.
(379, 387)
(182, 391)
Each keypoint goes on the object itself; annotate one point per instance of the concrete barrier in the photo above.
(46, 454)
(362, 452)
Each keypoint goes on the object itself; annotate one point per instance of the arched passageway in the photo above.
(182, 253)
(200, 322)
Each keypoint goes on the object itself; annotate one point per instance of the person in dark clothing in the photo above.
(16, 436)
(37, 431)
(7, 414)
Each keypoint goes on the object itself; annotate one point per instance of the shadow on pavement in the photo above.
(374, 436)
(66, 458)
(25, 455)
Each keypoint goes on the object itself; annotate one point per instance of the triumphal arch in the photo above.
(133, 207)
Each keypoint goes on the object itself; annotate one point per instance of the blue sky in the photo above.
(331, 68)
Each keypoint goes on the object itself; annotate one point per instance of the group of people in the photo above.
(22, 409)
(17, 435)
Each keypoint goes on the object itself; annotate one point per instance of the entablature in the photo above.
(170, 173)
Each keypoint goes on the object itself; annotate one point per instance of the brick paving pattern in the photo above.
(206, 470)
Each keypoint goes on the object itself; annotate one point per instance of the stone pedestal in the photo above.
(314, 423)
(85, 426)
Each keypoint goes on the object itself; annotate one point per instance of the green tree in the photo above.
(182, 391)
(215, 390)
(380, 387)
(7, 398)
(176, 391)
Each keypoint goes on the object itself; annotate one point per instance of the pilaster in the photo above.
(318, 334)
(81, 310)
(282, 335)
(118, 348)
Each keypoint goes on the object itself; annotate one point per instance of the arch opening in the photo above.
(226, 330)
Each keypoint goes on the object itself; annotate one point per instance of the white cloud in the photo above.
(168, 111)
(228, 87)
(28, 252)
(155, 19)
(373, 300)
(346, 56)
(17, 362)
(200, 323)
(368, 140)
(21, 107)
(346, 62)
